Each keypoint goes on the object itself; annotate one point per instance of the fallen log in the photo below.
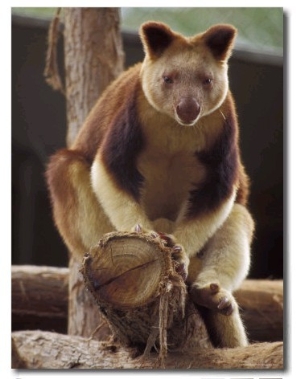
(46, 350)
(40, 301)
(261, 303)
(39, 298)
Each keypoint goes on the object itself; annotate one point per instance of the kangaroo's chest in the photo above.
(168, 180)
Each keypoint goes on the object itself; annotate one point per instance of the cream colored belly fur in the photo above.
(169, 177)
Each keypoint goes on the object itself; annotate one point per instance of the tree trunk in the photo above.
(45, 350)
(35, 307)
(93, 58)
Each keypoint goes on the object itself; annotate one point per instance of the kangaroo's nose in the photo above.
(188, 109)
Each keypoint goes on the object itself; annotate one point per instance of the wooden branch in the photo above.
(260, 300)
(45, 350)
(40, 298)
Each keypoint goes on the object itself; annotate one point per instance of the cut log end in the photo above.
(133, 279)
(128, 270)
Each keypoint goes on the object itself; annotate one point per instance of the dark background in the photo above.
(39, 129)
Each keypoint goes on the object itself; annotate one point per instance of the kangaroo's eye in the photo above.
(207, 81)
(167, 79)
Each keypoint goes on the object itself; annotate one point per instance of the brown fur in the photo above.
(101, 117)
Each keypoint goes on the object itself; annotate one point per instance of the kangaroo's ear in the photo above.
(220, 39)
(156, 37)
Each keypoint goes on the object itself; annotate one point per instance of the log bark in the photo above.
(260, 302)
(46, 350)
(93, 58)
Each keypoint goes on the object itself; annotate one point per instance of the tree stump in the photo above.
(134, 281)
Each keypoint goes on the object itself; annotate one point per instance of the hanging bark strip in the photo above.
(51, 71)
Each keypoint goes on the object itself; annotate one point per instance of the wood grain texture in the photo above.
(45, 350)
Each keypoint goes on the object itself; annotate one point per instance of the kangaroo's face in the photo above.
(185, 78)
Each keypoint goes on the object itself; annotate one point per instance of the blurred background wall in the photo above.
(39, 123)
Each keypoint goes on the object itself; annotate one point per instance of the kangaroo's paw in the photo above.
(214, 297)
